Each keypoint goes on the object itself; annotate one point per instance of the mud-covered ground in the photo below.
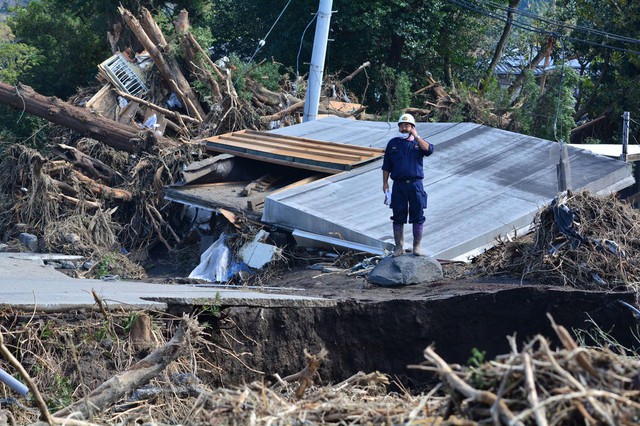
(458, 280)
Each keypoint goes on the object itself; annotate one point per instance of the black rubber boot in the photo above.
(417, 239)
(398, 236)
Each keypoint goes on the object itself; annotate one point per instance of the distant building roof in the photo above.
(512, 65)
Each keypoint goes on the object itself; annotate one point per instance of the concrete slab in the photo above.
(26, 283)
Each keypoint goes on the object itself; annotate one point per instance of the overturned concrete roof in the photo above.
(482, 182)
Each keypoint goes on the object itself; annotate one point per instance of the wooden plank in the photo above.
(96, 102)
(327, 157)
(296, 141)
(128, 113)
(255, 143)
(300, 163)
(283, 154)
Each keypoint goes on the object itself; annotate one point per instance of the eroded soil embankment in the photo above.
(388, 336)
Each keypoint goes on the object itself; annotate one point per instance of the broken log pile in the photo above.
(580, 240)
(541, 386)
(171, 382)
(98, 186)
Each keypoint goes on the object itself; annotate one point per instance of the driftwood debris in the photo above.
(168, 67)
(115, 172)
(112, 133)
(541, 386)
(306, 375)
(594, 252)
(356, 72)
(137, 375)
(91, 166)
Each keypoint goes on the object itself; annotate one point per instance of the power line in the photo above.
(301, 39)
(560, 24)
(262, 42)
(518, 24)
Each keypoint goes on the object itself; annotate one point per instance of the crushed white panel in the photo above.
(256, 255)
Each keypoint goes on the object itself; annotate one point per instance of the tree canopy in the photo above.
(58, 45)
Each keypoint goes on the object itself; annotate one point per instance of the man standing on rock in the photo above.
(403, 163)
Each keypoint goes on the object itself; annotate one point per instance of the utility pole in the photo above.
(563, 169)
(316, 70)
(626, 117)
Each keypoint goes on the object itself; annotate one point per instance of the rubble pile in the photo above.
(76, 208)
(149, 371)
(98, 186)
(542, 386)
(579, 240)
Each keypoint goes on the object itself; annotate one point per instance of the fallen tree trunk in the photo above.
(82, 120)
(91, 166)
(167, 67)
(139, 374)
(280, 114)
(103, 190)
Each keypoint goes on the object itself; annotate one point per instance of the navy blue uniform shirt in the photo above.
(403, 159)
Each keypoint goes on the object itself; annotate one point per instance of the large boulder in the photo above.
(405, 270)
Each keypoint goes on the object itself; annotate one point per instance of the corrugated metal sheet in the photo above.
(304, 153)
(482, 182)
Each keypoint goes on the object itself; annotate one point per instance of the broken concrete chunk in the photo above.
(30, 241)
(405, 270)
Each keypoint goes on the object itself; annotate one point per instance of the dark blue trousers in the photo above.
(408, 198)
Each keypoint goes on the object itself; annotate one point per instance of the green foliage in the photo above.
(215, 308)
(61, 393)
(478, 357)
(108, 265)
(103, 332)
(267, 74)
(129, 321)
(18, 126)
(523, 120)
(68, 46)
(47, 331)
(16, 59)
(553, 114)
(397, 90)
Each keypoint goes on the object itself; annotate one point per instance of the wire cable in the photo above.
(518, 24)
(555, 121)
(315, 15)
(559, 24)
(261, 43)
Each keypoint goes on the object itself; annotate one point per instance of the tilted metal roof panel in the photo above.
(482, 182)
